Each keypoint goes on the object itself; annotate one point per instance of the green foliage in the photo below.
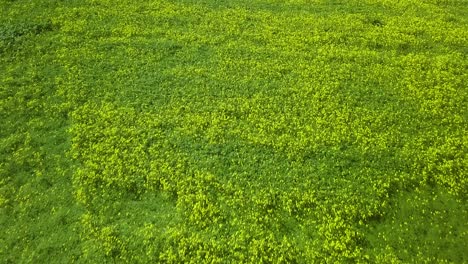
(266, 131)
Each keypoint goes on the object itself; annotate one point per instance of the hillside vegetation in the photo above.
(210, 131)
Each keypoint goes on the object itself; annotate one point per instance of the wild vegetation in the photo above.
(261, 131)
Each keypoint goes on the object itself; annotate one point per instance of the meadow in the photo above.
(216, 131)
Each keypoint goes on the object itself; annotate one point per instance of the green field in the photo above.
(234, 131)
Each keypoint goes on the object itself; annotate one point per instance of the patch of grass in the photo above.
(233, 131)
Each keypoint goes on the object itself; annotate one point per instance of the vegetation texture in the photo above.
(210, 131)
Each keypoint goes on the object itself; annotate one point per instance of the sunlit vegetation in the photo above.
(260, 131)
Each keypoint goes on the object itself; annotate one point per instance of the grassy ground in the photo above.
(184, 131)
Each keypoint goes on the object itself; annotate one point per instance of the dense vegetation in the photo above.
(209, 131)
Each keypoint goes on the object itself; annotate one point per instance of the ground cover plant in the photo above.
(264, 131)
